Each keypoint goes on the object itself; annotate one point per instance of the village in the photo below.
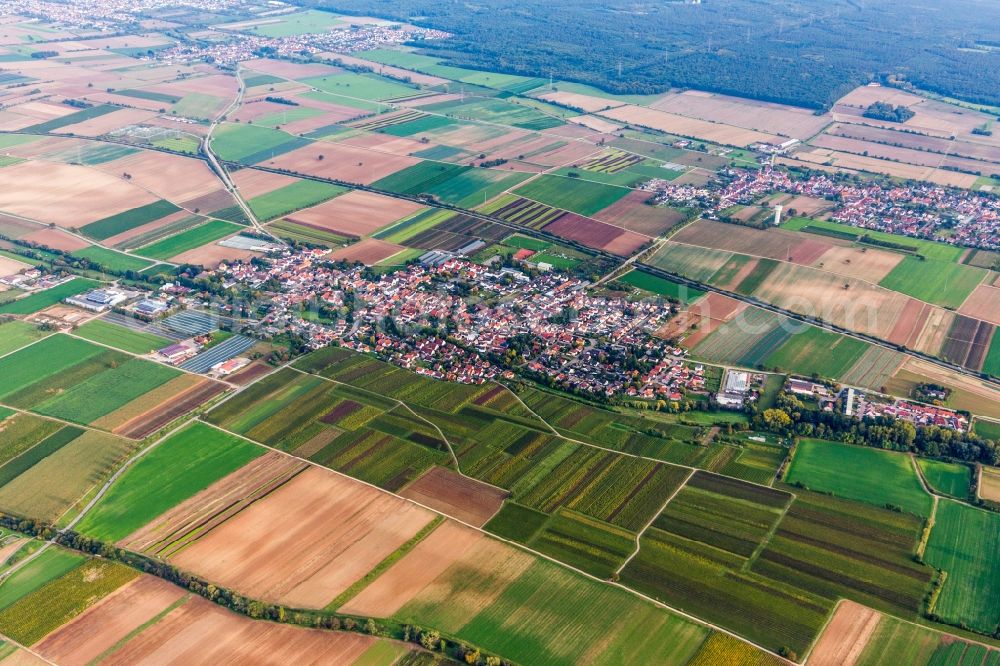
(919, 210)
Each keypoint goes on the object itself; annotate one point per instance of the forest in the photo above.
(802, 52)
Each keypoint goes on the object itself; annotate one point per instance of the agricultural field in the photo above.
(937, 282)
(176, 469)
(119, 337)
(951, 479)
(16, 334)
(963, 542)
(989, 484)
(882, 478)
(895, 639)
(47, 566)
(814, 351)
(247, 144)
(290, 198)
(582, 197)
(36, 301)
(661, 286)
(130, 219)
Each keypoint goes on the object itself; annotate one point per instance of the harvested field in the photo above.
(920, 142)
(846, 636)
(213, 254)
(968, 393)
(198, 515)
(172, 177)
(10, 266)
(632, 213)
(825, 156)
(691, 127)
(344, 163)
(110, 621)
(899, 154)
(989, 484)
(859, 307)
(356, 213)
(146, 424)
(202, 632)
(369, 251)
(388, 70)
(772, 243)
(67, 195)
(983, 303)
(466, 499)
(751, 114)
(446, 545)
(333, 531)
(290, 70)
(596, 234)
(863, 263)
(108, 122)
(692, 262)
(587, 103)
(935, 331)
(596, 124)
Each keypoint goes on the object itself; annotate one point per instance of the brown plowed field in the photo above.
(457, 496)
(910, 324)
(248, 374)
(200, 632)
(253, 183)
(214, 505)
(211, 255)
(771, 243)
(66, 195)
(370, 251)
(148, 423)
(983, 303)
(109, 621)
(356, 213)
(307, 542)
(846, 636)
(345, 163)
(596, 234)
(708, 313)
(443, 547)
(692, 127)
(171, 177)
(631, 212)
(57, 239)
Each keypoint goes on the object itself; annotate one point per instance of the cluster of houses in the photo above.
(863, 405)
(466, 322)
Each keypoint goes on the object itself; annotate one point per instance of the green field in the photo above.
(129, 219)
(965, 542)
(991, 365)
(111, 260)
(816, 351)
(950, 479)
(198, 105)
(43, 299)
(71, 119)
(105, 391)
(120, 337)
(583, 197)
(48, 566)
(501, 112)
(929, 249)
(176, 469)
(661, 286)
(42, 360)
(301, 23)
(290, 198)
(987, 429)
(16, 334)
(248, 144)
(855, 472)
(938, 282)
(204, 234)
(291, 115)
(368, 87)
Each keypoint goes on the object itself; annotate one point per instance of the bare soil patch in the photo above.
(253, 183)
(397, 72)
(766, 117)
(341, 162)
(857, 262)
(307, 541)
(66, 195)
(910, 324)
(172, 177)
(87, 636)
(447, 544)
(452, 494)
(983, 303)
(201, 632)
(356, 213)
(846, 636)
(631, 212)
(587, 103)
(692, 127)
(213, 254)
(369, 251)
